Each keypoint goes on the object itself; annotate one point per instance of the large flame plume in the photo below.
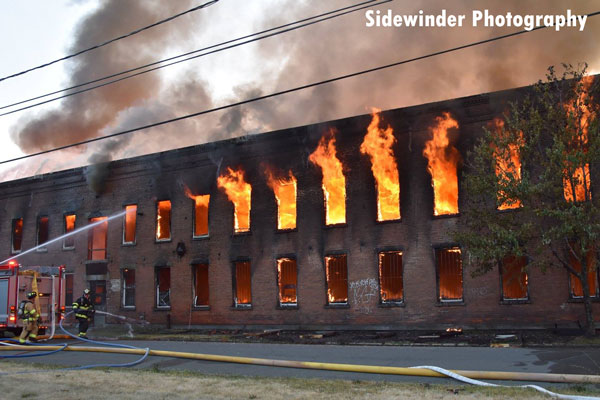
(285, 189)
(239, 193)
(378, 145)
(200, 212)
(576, 185)
(508, 164)
(442, 164)
(334, 182)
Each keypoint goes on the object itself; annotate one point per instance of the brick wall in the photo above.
(145, 180)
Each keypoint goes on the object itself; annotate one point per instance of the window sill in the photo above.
(203, 237)
(337, 305)
(286, 230)
(388, 221)
(594, 299)
(200, 308)
(163, 240)
(68, 248)
(105, 261)
(289, 306)
(128, 244)
(242, 307)
(42, 250)
(243, 233)
(450, 303)
(391, 304)
(128, 308)
(445, 216)
(162, 308)
(333, 226)
(514, 301)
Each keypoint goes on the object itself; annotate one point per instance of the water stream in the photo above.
(75, 232)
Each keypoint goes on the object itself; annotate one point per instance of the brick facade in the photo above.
(145, 180)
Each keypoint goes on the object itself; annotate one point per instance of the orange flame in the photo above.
(163, 220)
(581, 175)
(200, 212)
(239, 193)
(69, 223)
(442, 164)
(285, 193)
(378, 145)
(130, 218)
(507, 164)
(334, 182)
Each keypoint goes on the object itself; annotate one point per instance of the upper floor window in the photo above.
(69, 226)
(163, 220)
(42, 231)
(97, 238)
(17, 235)
(129, 223)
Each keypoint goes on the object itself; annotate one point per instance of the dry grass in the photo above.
(145, 384)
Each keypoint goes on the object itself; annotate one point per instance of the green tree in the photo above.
(528, 188)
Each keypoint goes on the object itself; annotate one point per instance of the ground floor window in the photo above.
(514, 278)
(200, 285)
(287, 280)
(390, 276)
(336, 271)
(449, 274)
(163, 287)
(242, 281)
(592, 276)
(128, 288)
(98, 295)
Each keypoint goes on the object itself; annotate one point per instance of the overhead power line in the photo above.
(210, 3)
(295, 89)
(216, 48)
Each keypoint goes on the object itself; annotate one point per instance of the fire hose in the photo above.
(470, 377)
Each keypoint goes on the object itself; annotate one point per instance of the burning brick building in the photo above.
(339, 224)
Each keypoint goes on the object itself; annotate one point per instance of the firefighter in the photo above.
(84, 311)
(30, 318)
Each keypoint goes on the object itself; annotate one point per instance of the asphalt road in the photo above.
(553, 360)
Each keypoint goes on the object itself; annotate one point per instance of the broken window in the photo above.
(17, 235)
(129, 223)
(163, 220)
(201, 215)
(163, 287)
(514, 278)
(242, 284)
(97, 239)
(42, 231)
(69, 241)
(337, 279)
(592, 276)
(200, 285)
(390, 276)
(449, 272)
(98, 289)
(128, 288)
(284, 188)
(287, 278)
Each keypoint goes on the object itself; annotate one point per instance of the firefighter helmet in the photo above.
(86, 291)
(31, 295)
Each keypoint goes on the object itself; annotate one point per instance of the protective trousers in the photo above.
(30, 329)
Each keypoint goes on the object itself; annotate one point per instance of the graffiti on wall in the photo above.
(365, 294)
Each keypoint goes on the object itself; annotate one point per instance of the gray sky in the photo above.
(37, 31)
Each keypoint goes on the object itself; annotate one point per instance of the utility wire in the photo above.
(298, 88)
(278, 30)
(210, 3)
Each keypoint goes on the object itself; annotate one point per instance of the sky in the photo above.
(36, 31)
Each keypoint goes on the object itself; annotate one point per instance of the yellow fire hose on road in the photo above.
(371, 369)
